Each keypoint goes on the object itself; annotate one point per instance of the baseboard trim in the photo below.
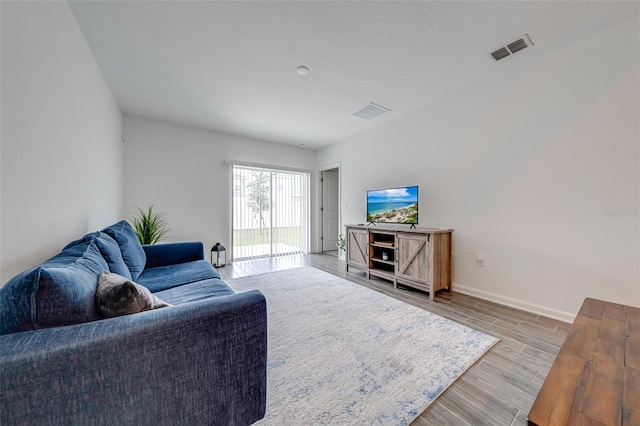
(514, 303)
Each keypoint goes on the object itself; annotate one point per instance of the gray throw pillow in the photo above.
(117, 295)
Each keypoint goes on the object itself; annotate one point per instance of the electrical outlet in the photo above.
(480, 260)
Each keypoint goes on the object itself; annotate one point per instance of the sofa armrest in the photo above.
(197, 363)
(173, 253)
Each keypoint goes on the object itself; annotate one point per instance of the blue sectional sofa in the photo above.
(200, 361)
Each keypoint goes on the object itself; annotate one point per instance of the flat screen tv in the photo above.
(393, 205)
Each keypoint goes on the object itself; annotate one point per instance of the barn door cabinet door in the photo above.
(415, 258)
(357, 250)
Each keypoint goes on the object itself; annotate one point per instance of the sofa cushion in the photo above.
(110, 251)
(130, 247)
(60, 291)
(117, 295)
(200, 290)
(164, 277)
(17, 303)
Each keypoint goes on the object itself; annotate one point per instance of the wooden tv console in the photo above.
(418, 258)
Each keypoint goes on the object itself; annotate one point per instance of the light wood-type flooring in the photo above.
(501, 387)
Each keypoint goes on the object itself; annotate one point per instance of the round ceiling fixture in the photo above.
(302, 70)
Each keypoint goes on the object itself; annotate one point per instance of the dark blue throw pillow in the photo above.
(130, 247)
(109, 249)
(67, 286)
(60, 291)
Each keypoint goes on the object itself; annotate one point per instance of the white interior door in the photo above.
(330, 210)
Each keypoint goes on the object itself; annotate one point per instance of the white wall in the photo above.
(180, 170)
(526, 167)
(61, 156)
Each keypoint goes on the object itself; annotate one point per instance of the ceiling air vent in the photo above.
(512, 48)
(500, 53)
(371, 111)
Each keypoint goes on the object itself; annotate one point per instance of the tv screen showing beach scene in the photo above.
(393, 205)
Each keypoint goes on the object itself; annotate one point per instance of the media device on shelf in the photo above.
(393, 205)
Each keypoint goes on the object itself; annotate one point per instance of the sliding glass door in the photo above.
(270, 212)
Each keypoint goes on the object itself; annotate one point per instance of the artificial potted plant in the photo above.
(342, 246)
(150, 226)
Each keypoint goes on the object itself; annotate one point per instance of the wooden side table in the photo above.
(595, 379)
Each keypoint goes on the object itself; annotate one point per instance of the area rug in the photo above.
(342, 354)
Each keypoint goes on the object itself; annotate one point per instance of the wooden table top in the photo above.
(595, 379)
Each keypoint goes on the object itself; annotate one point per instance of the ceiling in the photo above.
(231, 65)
